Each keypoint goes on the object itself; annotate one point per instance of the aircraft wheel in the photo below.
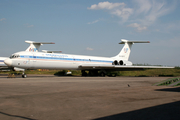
(24, 76)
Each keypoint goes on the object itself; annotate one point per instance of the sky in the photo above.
(94, 27)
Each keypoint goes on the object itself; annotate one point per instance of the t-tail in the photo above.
(34, 46)
(126, 50)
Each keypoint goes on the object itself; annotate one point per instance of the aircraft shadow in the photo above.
(16, 116)
(175, 89)
(168, 111)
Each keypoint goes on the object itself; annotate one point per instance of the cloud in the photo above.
(124, 13)
(28, 25)
(117, 9)
(137, 26)
(89, 49)
(2, 19)
(148, 11)
(93, 22)
(143, 6)
(105, 5)
(142, 13)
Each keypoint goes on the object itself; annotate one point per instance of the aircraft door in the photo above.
(74, 60)
(32, 60)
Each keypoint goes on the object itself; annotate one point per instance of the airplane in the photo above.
(33, 59)
(3, 66)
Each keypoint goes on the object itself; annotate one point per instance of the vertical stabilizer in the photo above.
(34, 46)
(126, 50)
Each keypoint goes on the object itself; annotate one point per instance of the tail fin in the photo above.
(34, 46)
(126, 50)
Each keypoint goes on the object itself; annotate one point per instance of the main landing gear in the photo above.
(93, 73)
(84, 73)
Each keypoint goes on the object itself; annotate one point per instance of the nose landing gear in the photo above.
(24, 75)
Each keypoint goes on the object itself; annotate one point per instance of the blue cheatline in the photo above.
(68, 59)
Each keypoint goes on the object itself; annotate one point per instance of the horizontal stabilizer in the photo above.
(32, 42)
(34, 46)
(123, 41)
(51, 51)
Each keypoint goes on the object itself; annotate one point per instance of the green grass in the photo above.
(146, 73)
(169, 81)
(178, 84)
(152, 73)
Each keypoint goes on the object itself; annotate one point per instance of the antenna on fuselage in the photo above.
(34, 46)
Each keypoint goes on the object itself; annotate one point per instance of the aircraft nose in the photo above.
(8, 62)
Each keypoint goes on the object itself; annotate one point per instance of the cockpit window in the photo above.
(14, 56)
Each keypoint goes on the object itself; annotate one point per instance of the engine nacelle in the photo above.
(18, 69)
(122, 62)
(115, 62)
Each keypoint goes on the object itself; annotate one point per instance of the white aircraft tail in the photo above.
(34, 46)
(126, 50)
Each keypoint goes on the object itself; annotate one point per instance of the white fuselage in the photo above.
(40, 60)
(32, 59)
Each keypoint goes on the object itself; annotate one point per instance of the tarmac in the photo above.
(40, 97)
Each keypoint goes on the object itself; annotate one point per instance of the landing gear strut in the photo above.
(83, 73)
(93, 73)
(24, 75)
(102, 74)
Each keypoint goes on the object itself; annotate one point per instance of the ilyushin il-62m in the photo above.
(33, 59)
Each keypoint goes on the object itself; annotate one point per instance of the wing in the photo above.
(117, 67)
(51, 51)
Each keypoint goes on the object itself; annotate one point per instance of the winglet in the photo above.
(34, 46)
